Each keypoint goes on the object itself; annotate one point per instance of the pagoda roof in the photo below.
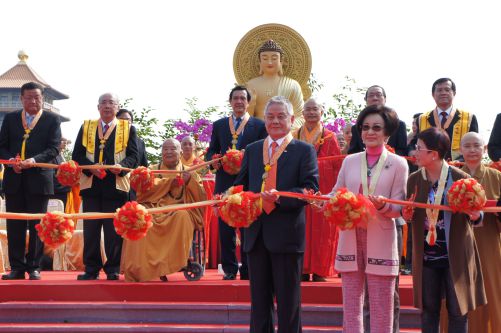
(22, 73)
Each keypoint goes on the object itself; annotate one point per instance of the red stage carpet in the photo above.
(60, 303)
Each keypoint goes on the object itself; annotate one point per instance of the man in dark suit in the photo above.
(275, 242)
(454, 121)
(376, 95)
(108, 141)
(494, 146)
(246, 129)
(34, 135)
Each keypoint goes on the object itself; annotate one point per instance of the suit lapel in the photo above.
(245, 138)
(282, 161)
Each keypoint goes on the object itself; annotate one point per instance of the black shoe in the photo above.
(229, 276)
(318, 278)
(14, 275)
(305, 277)
(35, 275)
(88, 276)
(164, 278)
(112, 276)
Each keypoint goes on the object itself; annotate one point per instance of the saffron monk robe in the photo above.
(321, 236)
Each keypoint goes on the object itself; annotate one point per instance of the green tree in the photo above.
(348, 102)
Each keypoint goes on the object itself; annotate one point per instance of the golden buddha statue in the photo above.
(272, 82)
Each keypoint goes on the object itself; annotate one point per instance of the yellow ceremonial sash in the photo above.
(461, 127)
(90, 129)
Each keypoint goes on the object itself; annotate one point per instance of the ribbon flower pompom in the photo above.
(68, 173)
(347, 210)
(239, 209)
(232, 161)
(141, 179)
(54, 229)
(466, 194)
(132, 221)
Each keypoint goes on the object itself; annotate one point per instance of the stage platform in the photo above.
(60, 303)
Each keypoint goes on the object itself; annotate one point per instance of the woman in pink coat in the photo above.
(371, 253)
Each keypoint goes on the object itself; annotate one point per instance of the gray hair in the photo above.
(314, 100)
(174, 141)
(114, 97)
(280, 100)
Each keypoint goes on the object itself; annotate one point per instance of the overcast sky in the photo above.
(161, 52)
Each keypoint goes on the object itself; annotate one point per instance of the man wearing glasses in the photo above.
(375, 95)
(28, 136)
(108, 141)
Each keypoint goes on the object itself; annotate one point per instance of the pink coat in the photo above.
(382, 255)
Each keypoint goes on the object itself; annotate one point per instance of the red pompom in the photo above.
(495, 165)
(466, 194)
(132, 221)
(239, 209)
(232, 161)
(68, 173)
(54, 229)
(347, 210)
(141, 179)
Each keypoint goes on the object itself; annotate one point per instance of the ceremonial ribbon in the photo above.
(27, 130)
(235, 134)
(207, 203)
(268, 162)
(369, 190)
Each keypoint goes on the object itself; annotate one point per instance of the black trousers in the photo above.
(275, 274)
(227, 237)
(23, 202)
(438, 283)
(92, 236)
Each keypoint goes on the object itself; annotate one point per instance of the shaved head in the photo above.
(472, 137)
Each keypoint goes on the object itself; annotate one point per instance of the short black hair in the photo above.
(389, 116)
(374, 86)
(416, 115)
(31, 86)
(436, 139)
(122, 111)
(236, 88)
(442, 80)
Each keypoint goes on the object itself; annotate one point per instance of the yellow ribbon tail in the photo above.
(23, 150)
(101, 156)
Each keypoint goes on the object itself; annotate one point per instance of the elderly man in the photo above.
(275, 242)
(166, 247)
(445, 116)
(236, 131)
(34, 135)
(110, 141)
(320, 250)
(487, 236)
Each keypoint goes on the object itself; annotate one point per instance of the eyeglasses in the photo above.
(375, 128)
(378, 95)
(423, 149)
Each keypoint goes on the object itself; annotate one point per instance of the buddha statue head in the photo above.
(270, 58)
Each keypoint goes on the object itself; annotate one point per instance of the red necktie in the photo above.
(106, 126)
(444, 118)
(271, 181)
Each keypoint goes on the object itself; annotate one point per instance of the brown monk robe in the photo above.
(166, 247)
